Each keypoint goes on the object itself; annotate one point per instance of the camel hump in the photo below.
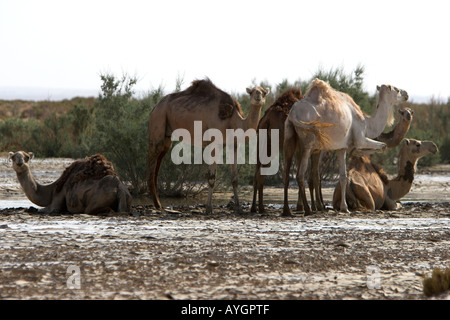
(205, 89)
(285, 101)
(94, 167)
(320, 90)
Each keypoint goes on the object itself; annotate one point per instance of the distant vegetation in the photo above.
(116, 124)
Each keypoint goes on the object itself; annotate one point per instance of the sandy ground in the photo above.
(187, 254)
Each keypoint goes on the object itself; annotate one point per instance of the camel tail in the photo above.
(316, 127)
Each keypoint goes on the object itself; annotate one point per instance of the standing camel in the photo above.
(273, 119)
(204, 102)
(368, 186)
(327, 119)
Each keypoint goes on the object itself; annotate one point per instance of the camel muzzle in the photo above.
(405, 95)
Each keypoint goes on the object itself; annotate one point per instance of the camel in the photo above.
(368, 186)
(395, 136)
(327, 119)
(87, 186)
(392, 139)
(204, 102)
(273, 118)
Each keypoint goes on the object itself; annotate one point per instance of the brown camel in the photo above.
(368, 186)
(86, 186)
(204, 102)
(327, 119)
(273, 118)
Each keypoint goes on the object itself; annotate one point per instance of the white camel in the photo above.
(327, 119)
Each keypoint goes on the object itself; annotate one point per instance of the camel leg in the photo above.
(260, 193)
(124, 199)
(318, 184)
(289, 146)
(337, 197)
(314, 182)
(299, 207)
(341, 154)
(152, 187)
(370, 146)
(211, 181)
(301, 172)
(154, 160)
(299, 202)
(234, 183)
(258, 183)
(361, 196)
(390, 204)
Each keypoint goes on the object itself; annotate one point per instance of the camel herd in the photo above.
(309, 125)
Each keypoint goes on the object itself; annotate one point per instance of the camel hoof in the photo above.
(208, 210)
(262, 210)
(309, 213)
(344, 211)
(253, 208)
(286, 213)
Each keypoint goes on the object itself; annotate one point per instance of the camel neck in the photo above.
(377, 122)
(40, 195)
(395, 136)
(251, 122)
(400, 185)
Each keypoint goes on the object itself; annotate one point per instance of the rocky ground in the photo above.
(186, 254)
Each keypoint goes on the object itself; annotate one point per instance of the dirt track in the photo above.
(190, 255)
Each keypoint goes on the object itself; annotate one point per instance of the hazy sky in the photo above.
(67, 44)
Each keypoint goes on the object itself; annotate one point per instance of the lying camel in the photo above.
(369, 188)
(87, 186)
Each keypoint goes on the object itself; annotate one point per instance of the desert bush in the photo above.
(120, 128)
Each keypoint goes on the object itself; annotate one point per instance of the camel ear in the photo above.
(10, 156)
(266, 91)
(378, 88)
(407, 142)
(30, 156)
(249, 90)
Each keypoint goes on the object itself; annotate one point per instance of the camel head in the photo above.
(415, 149)
(258, 95)
(20, 160)
(393, 94)
(406, 114)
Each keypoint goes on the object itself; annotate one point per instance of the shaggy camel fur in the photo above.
(273, 119)
(204, 102)
(86, 186)
(369, 187)
(330, 120)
